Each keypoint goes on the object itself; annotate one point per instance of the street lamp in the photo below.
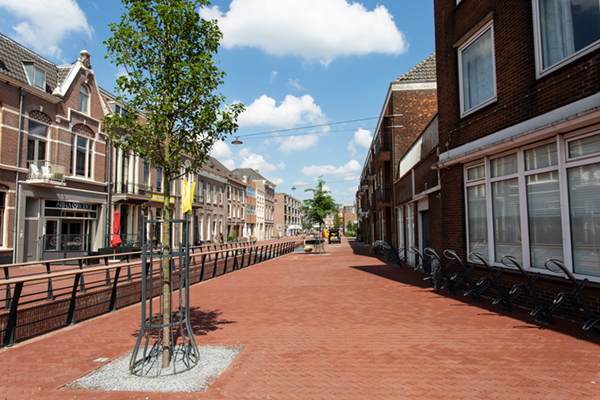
(237, 142)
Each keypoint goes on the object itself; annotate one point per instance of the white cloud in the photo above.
(281, 165)
(293, 111)
(42, 25)
(223, 153)
(273, 76)
(352, 167)
(294, 83)
(277, 181)
(295, 143)
(363, 138)
(318, 30)
(257, 162)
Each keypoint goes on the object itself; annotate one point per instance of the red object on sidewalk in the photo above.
(116, 240)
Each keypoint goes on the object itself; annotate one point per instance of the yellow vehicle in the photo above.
(334, 236)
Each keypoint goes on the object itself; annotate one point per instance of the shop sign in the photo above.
(69, 205)
(157, 197)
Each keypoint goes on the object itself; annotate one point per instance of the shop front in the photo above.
(60, 223)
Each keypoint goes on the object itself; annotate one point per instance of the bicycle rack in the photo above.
(424, 266)
(543, 314)
(462, 277)
(576, 297)
(491, 282)
(441, 274)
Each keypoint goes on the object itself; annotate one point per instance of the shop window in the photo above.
(584, 182)
(477, 73)
(565, 30)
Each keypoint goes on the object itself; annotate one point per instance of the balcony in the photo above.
(382, 146)
(45, 173)
(384, 194)
(132, 193)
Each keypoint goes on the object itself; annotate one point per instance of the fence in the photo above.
(40, 297)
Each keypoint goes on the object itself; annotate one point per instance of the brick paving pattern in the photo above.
(338, 326)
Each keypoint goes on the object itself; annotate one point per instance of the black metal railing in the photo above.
(131, 188)
(382, 143)
(22, 281)
(384, 193)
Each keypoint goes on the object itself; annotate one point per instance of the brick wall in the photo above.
(520, 96)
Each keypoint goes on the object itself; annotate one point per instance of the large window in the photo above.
(477, 73)
(538, 202)
(81, 156)
(36, 142)
(565, 29)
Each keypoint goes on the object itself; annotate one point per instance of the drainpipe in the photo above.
(16, 224)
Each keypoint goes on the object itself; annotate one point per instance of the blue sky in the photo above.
(293, 63)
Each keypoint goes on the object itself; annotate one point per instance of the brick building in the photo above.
(386, 199)
(53, 192)
(288, 216)
(519, 133)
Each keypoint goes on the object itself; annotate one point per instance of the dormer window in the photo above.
(35, 75)
(84, 98)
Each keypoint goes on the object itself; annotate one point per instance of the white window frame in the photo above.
(539, 60)
(564, 163)
(488, 26)
(89, 156)
(87, 99)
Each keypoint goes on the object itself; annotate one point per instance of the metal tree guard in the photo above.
(184, 351)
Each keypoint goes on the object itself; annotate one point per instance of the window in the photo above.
(159, 179)
(214, 194)
(565, 30)
(220, 195)
(36, 75)
(2, 205)
(146, 173)
(84, 98)
(200, 191)
(536, 203)
(477, 210)
(477, 73)
(81, 156)
(208, 193)
(36, 142)
(228, 192)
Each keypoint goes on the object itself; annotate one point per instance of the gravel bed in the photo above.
(115, 375)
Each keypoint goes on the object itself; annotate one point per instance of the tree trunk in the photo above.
(166, 273)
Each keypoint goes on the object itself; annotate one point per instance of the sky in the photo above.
(312, 74)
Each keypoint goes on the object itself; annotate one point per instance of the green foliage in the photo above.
(316, 209)
(337, 223)
(166, 50)
(350, 234)
(350, 226)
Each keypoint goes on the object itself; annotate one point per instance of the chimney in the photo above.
(85, 58)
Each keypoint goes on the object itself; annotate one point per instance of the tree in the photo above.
(166, 50)
(337, 223)
(316, 209)
(350, 226)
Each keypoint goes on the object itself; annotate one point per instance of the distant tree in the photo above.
(350, 227)
(316, 208)
(337, 223)
(166, 50)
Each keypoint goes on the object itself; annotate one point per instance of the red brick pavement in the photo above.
(338, 326)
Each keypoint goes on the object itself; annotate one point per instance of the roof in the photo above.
(423, 72)
(12, 57)
(253, 174)
(214, 164)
